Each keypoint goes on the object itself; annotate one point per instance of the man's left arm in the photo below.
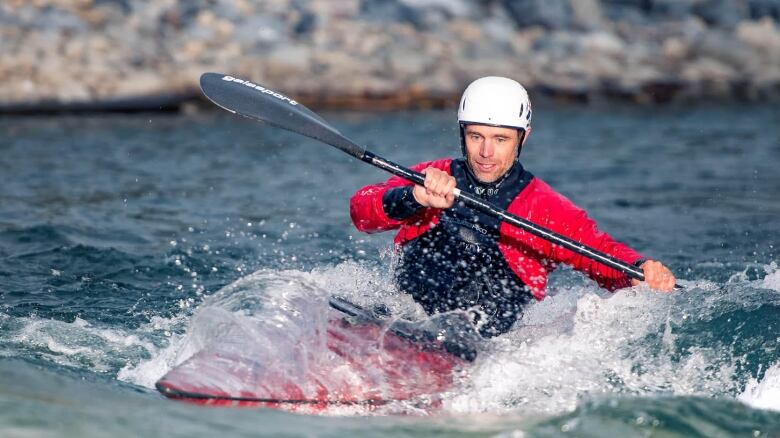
(573, 222)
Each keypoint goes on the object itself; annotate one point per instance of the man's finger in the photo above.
(431, 185)
(451, 185)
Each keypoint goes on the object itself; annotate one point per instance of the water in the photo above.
(119, 233)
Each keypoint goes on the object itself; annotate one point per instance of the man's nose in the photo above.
(486, 149)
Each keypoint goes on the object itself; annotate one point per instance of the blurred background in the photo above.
(144, 54)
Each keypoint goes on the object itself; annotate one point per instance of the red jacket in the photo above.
(530, 257)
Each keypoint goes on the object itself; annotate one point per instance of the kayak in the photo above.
(369, 360)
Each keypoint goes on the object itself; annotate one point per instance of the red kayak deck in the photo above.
(361, 364)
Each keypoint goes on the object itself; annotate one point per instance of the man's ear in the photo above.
(521, 141)
(524, 137)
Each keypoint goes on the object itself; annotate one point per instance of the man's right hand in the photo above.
(438, 190)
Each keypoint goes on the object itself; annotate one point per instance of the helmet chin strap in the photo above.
(521, 134)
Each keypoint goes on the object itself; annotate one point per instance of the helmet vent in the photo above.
(522, 107)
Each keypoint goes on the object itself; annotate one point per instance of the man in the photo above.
(453, 257)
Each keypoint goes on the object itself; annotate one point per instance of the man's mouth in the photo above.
(485, 167)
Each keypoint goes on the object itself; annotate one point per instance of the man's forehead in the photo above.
(487, 130)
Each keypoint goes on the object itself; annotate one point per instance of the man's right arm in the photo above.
(400, 204)
(388, 205)
(381, 207)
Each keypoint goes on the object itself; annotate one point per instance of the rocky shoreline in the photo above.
(62, 55)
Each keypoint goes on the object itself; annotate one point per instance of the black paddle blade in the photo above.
(256, 102)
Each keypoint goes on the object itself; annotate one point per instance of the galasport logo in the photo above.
(260, 89)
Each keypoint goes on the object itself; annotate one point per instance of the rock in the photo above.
(328, 9)
(759, 9)
(291, 61)
(631, 11)
(603, 69)
(408, 63)
(194, 50)
(523, 41)
(672, 9)
(466, 31)
(433, 14)
(603, 43)
(304, 23)
(722, 46)
(721, 13)
(260, 30)
(439, 82)
(498, 29)
(550, 14)
(762, 35)
(710, 77)
(57, 20)
(422, 14)
(675, 49)
(709, 70)
(141, 83)
(558, 44)
(389, 10)
(587, 14)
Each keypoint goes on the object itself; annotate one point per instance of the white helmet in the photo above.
(496, 101)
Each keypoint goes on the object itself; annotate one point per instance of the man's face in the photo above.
(490, 150)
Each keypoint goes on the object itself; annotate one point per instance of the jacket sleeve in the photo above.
(367, 204)
(564, 217)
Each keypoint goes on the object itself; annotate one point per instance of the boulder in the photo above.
(672, 9)
(588, 14)
(675, 49)
(721, 13)
(762, 35)
(758, 9)
(407, 62)
(288, 61)
(720, 45)
(549, 14)
(602, 44)
(632, 11)
(422, 14)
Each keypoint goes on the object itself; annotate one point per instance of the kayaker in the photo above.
(454, 257)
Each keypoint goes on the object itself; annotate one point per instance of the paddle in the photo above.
(254, 101)
(452, 332)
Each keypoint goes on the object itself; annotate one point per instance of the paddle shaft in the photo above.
(488, 208)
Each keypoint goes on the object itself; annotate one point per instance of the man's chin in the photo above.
(486, 178)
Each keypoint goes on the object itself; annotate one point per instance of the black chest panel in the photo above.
(457, 264)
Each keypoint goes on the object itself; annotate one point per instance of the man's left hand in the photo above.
(657, 276)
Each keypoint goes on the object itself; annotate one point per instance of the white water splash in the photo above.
(764, 394)
(79, 343)
(146, 372)
(582, 342)
(772, 279)
(274, 316)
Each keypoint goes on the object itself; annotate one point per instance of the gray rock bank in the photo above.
(388, 53)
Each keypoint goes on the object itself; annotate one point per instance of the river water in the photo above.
(117, 231)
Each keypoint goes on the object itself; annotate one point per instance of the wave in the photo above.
(579, 344)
